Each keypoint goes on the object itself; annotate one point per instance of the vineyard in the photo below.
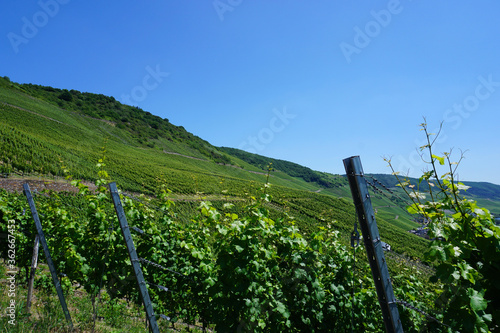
(228, 241)
(232, 269)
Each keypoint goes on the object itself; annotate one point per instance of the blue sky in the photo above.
(310, 82)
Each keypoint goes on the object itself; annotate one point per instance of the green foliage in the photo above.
(411, 285)
(243, 272)
(76, 140)
(36, 135)
(12, 208)
(249, 273)
(66, 96)
(465, 247)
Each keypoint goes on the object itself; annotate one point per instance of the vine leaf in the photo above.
(439, 158)
(477, 301)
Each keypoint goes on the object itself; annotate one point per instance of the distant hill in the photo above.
(483, 190)
(293, 169)
(486, 194)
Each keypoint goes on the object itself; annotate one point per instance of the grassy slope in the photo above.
(36, 132)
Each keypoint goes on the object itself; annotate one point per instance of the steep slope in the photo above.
(44, 131)
(146, 129)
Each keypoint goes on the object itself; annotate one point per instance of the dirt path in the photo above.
(33, 112)
(227, 165)
(191, 157)
(16, 185)
(60, 185)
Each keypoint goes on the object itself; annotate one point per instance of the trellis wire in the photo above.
(159, 266)
(374, 187)
(391, 192)
(422, 312)
(386, 188)
(162, 288)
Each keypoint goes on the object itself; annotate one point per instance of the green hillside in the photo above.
(44, 130)
(293, 169)
(210, 227)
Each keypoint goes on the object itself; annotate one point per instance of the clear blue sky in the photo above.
(311, 82)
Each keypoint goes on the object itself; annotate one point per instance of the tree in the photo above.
(66, 96)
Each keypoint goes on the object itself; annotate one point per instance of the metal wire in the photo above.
(162, 316)
(374, 187)
(412, 307)
(160, 266)
(162, 288)
(388, 190)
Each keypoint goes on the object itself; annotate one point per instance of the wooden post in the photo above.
(133, 258)
(52, 268)
(373, 244)
(34, 262)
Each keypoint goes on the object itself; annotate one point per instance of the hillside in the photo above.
(45, 131)
(145, 128)
(293, 169)
(390, 206)
(210, 218)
